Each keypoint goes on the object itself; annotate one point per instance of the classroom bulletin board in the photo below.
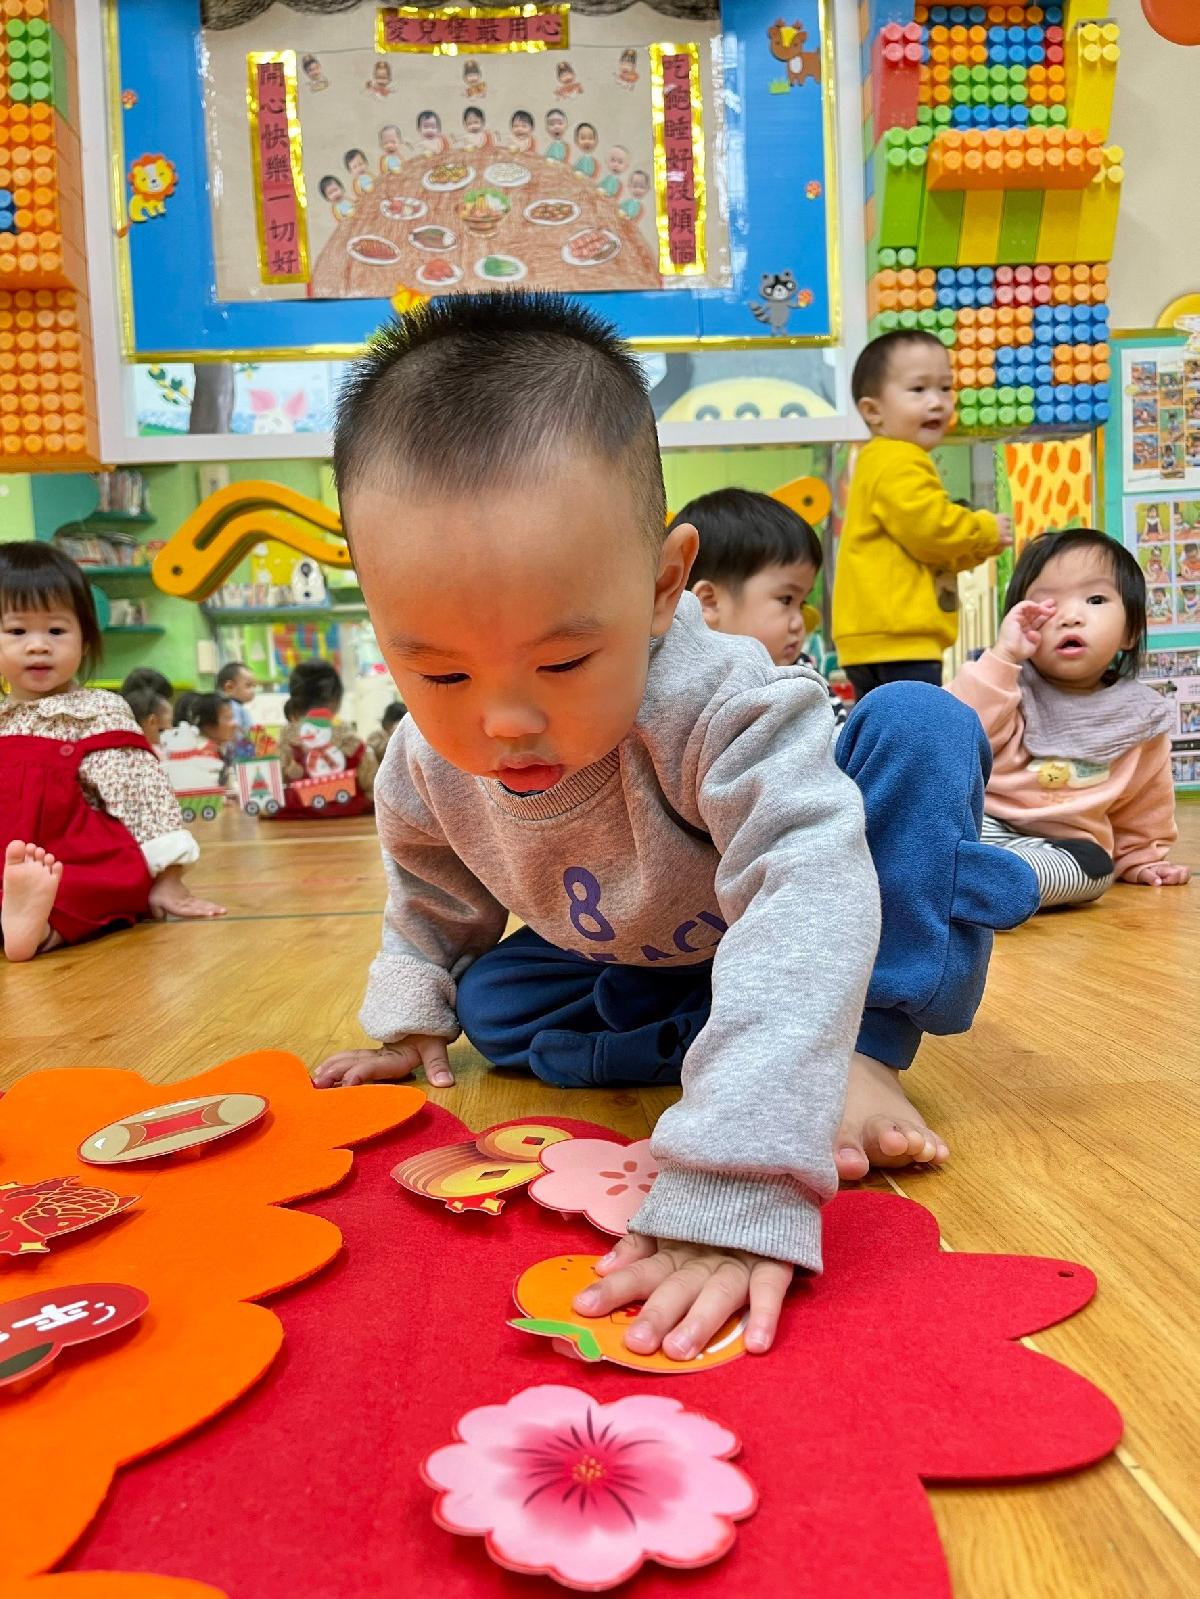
(1152, 503)
(285, 180)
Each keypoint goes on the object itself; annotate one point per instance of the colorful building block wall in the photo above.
(992, 199)
(47, 393)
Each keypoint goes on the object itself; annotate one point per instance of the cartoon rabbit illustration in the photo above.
(270, 416)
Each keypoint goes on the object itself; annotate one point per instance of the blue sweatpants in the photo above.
(921, 761)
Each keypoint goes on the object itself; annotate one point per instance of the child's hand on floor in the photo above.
(389, 1063)
(688, 1290)
(170, 896)
(1021, 631)
(1161, 874)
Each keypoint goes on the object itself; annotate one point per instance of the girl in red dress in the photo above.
(92, 834)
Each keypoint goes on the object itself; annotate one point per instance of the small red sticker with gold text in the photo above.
(35, 1329)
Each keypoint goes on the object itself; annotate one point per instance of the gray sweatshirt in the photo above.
(718, 830)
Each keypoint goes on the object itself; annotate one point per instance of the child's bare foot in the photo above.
(170, 896)
(880, 1127)
(31, 879)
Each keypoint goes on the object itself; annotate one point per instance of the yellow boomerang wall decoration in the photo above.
(224, 528)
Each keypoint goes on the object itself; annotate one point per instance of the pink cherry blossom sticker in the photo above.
(595, 1178)
(561, 1486)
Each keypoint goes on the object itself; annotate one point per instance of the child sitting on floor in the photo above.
(378, 741)
(1082, 786)
(758, 563)
(656, 802)
(148, 677)
(315, 697)
(152, 713)
(213, 718)
(239, 685)
(92, 835)
(214, 715)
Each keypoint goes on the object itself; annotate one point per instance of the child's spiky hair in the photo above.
(471, 393)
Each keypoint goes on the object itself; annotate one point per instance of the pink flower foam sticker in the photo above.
(561, 1486)
(596, 1178)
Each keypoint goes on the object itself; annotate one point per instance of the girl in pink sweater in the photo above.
(1081, 777)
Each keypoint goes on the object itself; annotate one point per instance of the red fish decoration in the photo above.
(33, 1213)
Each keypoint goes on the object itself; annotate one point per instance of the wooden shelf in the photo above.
(285, 613)
(114, 571)
(113, 685)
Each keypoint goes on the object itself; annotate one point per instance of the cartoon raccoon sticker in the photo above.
(777, 304)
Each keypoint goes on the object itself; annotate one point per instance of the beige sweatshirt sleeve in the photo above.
(746, 1156)
(438, 919)
(992, 688)
(1143, 819)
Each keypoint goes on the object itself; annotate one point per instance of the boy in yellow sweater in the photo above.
(895, 595)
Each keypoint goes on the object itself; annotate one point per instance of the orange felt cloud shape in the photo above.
(206, 1236)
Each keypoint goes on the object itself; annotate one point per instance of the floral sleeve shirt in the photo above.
(130, 784)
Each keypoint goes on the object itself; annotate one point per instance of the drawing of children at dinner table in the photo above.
(395, 151)
(476, 134)
(556, 131)
(520, 133)
(380, 82)
(586, 140)
(429, 132)
(314, 74)
(359, 170)
(617, 162)
(333, 190)
(568, 83)
(633, 205)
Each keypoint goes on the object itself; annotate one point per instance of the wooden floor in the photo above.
(1071, 1109)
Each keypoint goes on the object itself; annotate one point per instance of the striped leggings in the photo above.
(1070, 871)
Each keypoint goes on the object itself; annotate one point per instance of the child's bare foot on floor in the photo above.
(880, 1127)
(31, 879)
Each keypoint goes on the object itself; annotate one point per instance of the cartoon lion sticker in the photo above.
(153, 180)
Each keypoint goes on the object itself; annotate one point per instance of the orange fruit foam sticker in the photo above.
(545, 1294)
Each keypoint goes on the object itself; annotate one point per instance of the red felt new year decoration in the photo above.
(897, 1366)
